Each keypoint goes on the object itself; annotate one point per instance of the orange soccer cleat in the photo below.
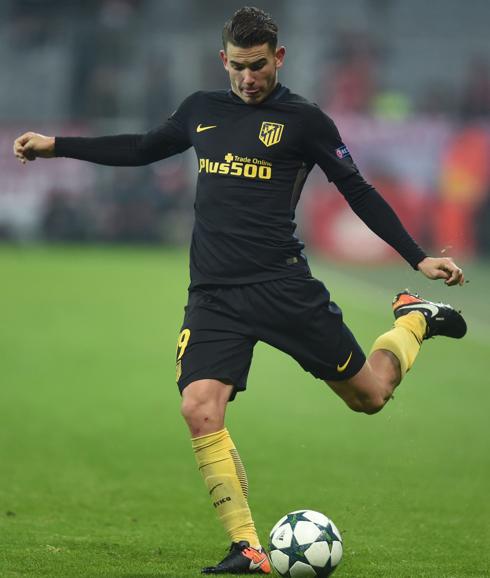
(442, 319)
(242, 559)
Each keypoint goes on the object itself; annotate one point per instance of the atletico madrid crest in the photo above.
(270, 133)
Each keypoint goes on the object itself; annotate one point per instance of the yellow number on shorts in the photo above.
(182, 342)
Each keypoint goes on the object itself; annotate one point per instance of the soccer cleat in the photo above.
(442, 319)
(242, 559)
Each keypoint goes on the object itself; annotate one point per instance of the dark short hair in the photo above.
(250, 26)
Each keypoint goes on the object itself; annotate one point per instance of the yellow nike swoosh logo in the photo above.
(201, 128)
(341, 368)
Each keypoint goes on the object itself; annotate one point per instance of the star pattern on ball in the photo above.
(293, 519)
(327, 534)
(305, 539)
(296, 551)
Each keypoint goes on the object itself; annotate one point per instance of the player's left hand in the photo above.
(442, 268)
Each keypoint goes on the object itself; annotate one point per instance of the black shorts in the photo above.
(222, 324)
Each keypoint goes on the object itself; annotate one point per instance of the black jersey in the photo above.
(253, 161)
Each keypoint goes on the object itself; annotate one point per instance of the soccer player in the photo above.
(255, 145)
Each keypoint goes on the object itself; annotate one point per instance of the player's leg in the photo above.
(203, 407)
(213, 344)
(392, 355)
(394, 352)
(303, 322)
(372, 386)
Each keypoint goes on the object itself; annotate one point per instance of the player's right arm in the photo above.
(126, 150)
(120, 150)
(31, 145)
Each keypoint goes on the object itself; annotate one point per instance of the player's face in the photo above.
(253, 71)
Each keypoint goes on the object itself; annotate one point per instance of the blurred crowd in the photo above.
(123, 65)
(113, 45)
(454, 204)
(354, 85)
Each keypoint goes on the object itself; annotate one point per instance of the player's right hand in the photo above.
(31, 145)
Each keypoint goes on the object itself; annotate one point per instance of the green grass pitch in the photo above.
(97, 477)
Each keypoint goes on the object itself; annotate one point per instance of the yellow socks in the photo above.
(226, 480)
(404, 340)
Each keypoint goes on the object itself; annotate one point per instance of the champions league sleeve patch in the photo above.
(342, 152)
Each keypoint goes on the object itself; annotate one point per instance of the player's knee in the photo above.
(194, 409)
(366, 404)
(203, 406)
(373, 406)
(202, 416)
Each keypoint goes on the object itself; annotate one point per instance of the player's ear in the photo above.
(224, 59)
(279, 56)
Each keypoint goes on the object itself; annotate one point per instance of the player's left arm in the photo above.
(442, 268)
(378, 215)
(325, 147)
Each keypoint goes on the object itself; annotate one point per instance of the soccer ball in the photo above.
(305, 544)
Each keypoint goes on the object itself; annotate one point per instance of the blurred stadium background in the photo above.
(408, 83)
(89, 483)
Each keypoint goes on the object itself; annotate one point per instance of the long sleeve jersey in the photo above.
(253, 161)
